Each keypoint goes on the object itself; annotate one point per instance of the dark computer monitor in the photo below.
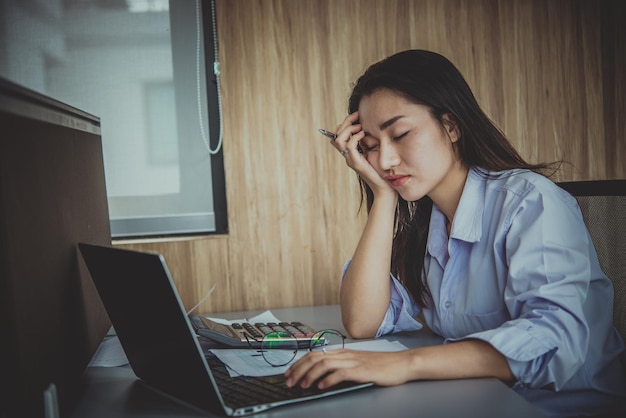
(52, 195)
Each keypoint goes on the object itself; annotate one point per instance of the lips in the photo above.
(397, 180)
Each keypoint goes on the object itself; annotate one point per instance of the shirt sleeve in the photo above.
(547, 249)
(401, 312)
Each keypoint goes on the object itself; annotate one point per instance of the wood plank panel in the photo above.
(290, 180)
(549, 73)
(614, 85)
(195, 265)
(555, 103)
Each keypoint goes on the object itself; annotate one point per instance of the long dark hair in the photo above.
(429, 79)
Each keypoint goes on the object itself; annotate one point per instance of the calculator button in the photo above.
(308, 332)
(253, 331)
(292, 330)
(263, 328)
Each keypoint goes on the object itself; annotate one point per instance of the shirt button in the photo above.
(448, 304)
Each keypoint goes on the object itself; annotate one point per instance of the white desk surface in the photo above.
(116, 392)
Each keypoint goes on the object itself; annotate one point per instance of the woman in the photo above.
(494, 255)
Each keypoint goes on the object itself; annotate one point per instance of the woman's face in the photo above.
(407, 146)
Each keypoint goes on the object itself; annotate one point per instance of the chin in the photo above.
(411, 197)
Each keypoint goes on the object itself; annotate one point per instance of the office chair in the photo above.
(603, 205)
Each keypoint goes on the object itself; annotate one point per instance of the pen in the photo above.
(333, 136)
(328, 134)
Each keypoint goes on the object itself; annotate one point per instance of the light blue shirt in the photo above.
(521, 273)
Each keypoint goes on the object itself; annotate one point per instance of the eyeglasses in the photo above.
(280, 348)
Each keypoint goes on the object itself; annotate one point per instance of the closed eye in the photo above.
(367, 148)
(399, 137)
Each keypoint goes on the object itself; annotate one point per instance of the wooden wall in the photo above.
(551, 73)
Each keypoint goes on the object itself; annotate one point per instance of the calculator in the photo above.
(250, 335)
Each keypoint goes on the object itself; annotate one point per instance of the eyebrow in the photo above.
(386, 124)
(390, 122)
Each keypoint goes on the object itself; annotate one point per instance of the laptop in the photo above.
(164, 352)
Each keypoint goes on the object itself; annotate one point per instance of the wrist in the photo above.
(385, 196)
(414, 365)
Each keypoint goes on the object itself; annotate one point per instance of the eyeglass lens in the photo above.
(279, 348)
(327, 339)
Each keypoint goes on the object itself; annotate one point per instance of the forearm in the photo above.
(365, 290)
(459, 360)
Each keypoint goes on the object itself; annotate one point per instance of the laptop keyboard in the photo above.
(245, 391)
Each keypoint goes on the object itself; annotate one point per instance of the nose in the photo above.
(388, 156)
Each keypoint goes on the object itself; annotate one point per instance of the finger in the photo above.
(326, 364)
(348, 127)
(351, 147)
(333, 368)
(334, 378)
(299, 369)
(347, 365)
(355, 140)
(306, 370)
(344, 136)
(349, 120)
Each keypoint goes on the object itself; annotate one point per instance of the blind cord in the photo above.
(216, 71)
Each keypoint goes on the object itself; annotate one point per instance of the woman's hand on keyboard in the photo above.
(328, 368)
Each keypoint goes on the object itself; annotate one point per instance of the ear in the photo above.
(451, 126)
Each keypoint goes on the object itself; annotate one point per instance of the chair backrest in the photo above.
(603, 205)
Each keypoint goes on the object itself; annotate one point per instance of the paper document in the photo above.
(264, 317)
(244, 362)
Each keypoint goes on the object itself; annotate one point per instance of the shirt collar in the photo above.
(468, 219)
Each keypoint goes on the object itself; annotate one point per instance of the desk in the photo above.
(116, 392)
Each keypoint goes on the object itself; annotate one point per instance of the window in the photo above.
(140, 66)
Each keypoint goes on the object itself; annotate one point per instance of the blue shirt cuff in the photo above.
(402, 311)
(526, 352)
